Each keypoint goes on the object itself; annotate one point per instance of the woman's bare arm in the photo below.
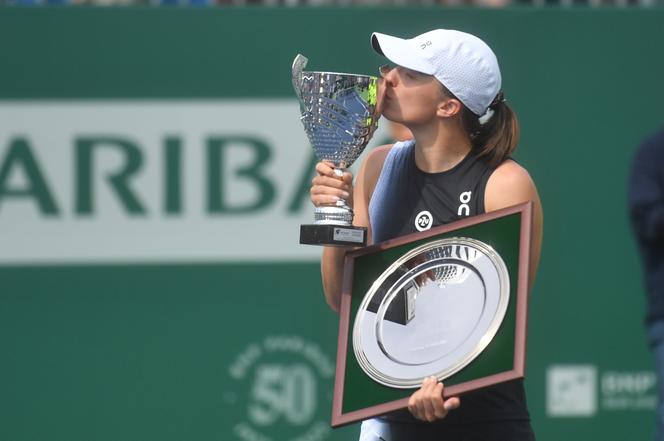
(333, 257)
(510, 184)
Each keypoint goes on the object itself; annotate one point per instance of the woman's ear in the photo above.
(448, 107)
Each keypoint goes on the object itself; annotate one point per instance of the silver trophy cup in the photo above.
(340, 114)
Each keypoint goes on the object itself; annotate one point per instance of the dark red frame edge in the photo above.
(526, 209)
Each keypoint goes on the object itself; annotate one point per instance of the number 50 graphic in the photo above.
(283, 390)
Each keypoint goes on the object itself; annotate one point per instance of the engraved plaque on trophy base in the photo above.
(333, 235)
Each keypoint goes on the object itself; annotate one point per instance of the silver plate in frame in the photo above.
(431, 312)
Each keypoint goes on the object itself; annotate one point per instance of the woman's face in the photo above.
(411, 98)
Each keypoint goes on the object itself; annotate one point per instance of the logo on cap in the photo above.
(425, 44)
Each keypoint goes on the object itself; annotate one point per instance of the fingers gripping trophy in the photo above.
(340, 114)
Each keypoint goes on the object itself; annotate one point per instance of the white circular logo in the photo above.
(423, 221)
(279, 382)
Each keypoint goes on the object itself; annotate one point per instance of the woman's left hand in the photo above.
(428, 404)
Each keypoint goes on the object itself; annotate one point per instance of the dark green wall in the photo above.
(139, 352)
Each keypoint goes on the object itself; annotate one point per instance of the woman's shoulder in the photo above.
(510, 169)
(373, 163)
(378, 155)
(375, 159)
(509, 184)
(372, 166)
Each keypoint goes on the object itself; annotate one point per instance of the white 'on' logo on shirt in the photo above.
(464, 198)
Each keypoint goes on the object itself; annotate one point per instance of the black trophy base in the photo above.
(333, 235)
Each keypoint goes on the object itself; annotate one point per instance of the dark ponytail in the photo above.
(497, 138)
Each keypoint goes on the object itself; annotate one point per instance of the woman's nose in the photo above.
(388, 74)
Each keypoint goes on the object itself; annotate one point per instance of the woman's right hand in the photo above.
(328, 187)
(428, 403)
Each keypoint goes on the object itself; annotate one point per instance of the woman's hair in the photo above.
(497, 138)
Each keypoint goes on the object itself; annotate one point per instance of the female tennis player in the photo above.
(445, 86)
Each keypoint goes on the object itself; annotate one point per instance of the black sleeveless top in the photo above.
(407, 200)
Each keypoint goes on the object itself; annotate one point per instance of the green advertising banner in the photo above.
(154, 174)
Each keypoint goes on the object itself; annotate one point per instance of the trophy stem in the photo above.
(339, 171)
(333, 215)
(333, 224)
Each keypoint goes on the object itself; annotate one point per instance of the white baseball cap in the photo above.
(463, 63)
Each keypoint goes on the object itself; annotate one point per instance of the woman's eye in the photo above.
(411, 74)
